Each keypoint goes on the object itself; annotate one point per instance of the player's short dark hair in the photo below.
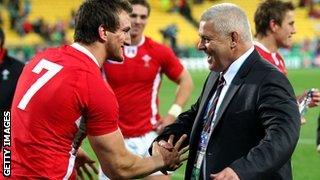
(2, 38)
(270, 10)
(94, 13)
(142, 3)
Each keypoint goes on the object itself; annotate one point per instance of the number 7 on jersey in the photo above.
(52, 70)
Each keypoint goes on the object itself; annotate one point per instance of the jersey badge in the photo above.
(5, 74)
(146, 58)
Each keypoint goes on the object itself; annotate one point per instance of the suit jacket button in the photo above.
(210, 154)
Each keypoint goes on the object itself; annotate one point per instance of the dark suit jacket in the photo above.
(257, 125)
(8, 83)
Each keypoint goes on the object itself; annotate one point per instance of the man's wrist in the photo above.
(175, 110)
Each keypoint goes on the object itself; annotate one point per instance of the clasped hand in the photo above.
(171, 154)
(83, 162)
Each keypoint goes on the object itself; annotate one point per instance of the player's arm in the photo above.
(184, 88)
(101, 109)
(183, 92)
(118, 163)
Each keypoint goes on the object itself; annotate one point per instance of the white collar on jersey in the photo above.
(260, 45)
(85, 51)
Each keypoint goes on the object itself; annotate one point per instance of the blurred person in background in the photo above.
(245, 124)
(170, 33)
(274, 24)
(14, 12)
(185, 11)
(10, 69)
(61, 98)
(136, 83)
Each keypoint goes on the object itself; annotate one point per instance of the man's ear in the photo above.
(234, 36)
(102, 32)
(273, 25)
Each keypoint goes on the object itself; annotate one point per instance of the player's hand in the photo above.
(166, 145)
(318, 148)
(315, 98)
(225, 174)
(303, 120)
(82, 163)
(172, 157)
(163, 122)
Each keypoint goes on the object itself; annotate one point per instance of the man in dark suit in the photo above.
(10, 70)
(245, 124)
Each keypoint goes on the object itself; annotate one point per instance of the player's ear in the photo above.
(103, 33)
(273, 25)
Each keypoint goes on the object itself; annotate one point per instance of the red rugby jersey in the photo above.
(60, 97)
(274, 58)
(136, 83)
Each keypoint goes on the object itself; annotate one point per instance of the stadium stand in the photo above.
(159, 19)
(53, 11)
(306, 27)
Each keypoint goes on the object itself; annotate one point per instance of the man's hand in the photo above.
(171, 155)
(226, 174)
(315, 97)
(82, 163)
(303, 120)
(163, 122)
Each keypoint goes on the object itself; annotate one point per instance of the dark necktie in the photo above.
(212, 108)
(206, 131)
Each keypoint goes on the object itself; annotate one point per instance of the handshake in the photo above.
(172, 154)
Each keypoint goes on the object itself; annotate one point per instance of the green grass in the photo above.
(305, 160)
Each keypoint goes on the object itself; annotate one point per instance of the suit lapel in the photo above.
(235, 84)
(209, 88)
(205, 98)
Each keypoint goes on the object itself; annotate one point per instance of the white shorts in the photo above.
(138, 146)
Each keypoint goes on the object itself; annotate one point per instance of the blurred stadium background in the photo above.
(33, 25)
